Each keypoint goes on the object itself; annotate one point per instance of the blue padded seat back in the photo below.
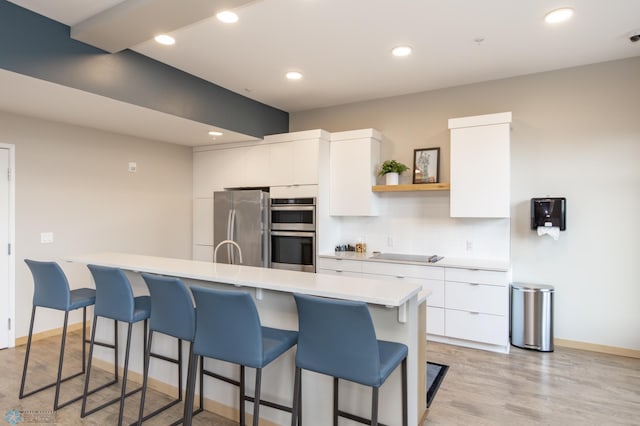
(114, 296)
(50, 285)
(172, 309)
(227, 326)
(337, 338)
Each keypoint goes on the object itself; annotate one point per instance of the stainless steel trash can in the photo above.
(532, 316)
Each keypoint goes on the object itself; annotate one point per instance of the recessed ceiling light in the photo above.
(165, 39)
(214, 133)
(558, 15)
(294, 75)
(401, 51)
(227, 16)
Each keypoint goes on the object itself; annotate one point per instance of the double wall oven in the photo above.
(293, 234)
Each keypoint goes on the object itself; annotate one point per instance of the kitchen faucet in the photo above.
(215, 251)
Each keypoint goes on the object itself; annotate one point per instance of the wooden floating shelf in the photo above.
(411, 187)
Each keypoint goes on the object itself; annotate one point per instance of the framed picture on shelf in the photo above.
(426, 165)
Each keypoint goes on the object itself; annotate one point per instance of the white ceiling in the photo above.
(343, 47)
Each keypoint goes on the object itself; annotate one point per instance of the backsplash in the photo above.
(420, 224)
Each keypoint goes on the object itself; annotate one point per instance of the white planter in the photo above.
(392, 178)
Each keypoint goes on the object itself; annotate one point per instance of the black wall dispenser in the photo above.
(548, 212)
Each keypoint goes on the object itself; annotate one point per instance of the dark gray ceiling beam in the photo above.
(135, 21)
(39, 47)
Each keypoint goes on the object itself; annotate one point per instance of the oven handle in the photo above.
(294, 207)
(292, 234)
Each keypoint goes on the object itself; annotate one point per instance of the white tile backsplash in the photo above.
(419, 223)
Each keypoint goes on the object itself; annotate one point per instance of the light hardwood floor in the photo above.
(565, 387)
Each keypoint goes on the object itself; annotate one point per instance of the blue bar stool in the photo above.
(51, 290)
(337, 338)
(114, 300)
(173, 314)
(228, 329)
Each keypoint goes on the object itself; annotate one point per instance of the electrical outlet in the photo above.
(46, 237)
(469, 245)
(133, 167)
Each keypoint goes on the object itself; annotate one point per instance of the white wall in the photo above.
(73, 181)
(575, 133)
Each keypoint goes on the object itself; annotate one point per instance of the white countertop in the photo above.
(449, 262)
(374, 291)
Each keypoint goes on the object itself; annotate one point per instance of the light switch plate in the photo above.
(46, 237)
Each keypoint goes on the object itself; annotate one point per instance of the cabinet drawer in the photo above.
(476, 276)
(340, 264)
(404, 270)
(484, 328)
(435, 321)
(486, 299)
(341, 273)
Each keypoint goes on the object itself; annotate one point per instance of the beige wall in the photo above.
(576, 134)
(73, 181)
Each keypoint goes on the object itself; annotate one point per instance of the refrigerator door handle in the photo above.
(229, 221)
(232, 254)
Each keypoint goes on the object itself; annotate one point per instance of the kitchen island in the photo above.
(397, 315)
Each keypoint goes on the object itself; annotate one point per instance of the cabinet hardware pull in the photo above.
(338, 270)
(474, 284)
(474, 313)
(399, 276)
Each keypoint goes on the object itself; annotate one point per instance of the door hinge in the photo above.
(9, 323)
(9, 174)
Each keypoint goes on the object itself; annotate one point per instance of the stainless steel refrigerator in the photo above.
(241, 216)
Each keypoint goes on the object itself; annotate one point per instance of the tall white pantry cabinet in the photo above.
(480, 166)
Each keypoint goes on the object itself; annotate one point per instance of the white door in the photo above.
(4, 248)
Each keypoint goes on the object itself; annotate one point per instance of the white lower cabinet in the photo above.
(467, 307)
(429, 277)
(477, 306)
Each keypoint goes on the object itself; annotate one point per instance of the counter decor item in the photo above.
(391, 170)
(426, 165)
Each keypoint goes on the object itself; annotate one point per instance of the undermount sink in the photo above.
(407, 257)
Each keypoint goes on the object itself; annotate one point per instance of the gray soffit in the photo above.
(33, 45)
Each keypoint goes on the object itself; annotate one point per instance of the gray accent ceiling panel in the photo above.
(39, 47)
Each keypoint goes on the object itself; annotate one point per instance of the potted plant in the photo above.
(391, 169)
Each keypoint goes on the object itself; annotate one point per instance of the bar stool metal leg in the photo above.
(59, 378)
(335, 401)
(61, 360)
(256, 401)
(374, 406)
(405, 416)
(242, 396)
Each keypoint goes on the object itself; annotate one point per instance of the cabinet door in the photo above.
(281, 164)
(305, 162)
(293, 163)
(480, 171)
(203, 221)
(435, 321)
(352, 174)
(212, 171)
(251, 166)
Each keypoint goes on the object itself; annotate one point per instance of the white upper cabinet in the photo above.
(293, 157)
(480, 166)
(354, 157)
